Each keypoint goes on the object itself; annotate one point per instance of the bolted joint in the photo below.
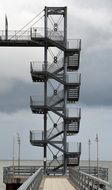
(55, 125)
(55, 59)
(54, 157)
(55, 27)
(55, 92)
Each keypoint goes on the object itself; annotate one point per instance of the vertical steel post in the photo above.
(19, 142)
(65, 94)
(89, 159)
(97, 152)
(45, 92)
(13, 156)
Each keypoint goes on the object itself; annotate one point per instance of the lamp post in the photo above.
(13, 157)
(97, 141)
(19, 143)
(89, 158)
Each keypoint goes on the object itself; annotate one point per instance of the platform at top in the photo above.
(35, 38)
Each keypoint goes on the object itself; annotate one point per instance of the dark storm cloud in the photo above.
(96, 54)
(18, 96)
(96, 88)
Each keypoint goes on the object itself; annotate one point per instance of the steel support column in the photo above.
(45, 93)
(65, 94)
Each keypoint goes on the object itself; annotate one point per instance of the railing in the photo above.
(54, 67)
(15, 35)
(73, 147)
(84, 181)
(38, 32)
(92, 170)
(73, 112)
(32, 182)
(36, 66)
(73, 77)
(11, 174)
(51, 34)
(36, 135)
(74, 44)
(31, 33)
(70, 112)
(36, 101)
(39, 101)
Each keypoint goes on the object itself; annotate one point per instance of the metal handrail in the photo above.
(73, 147)
(73, 112)
(94, 171)
(82, 180)
(32, 182)
(71, 77)
(39, 33)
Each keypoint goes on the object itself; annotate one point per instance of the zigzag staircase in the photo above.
(62, 71)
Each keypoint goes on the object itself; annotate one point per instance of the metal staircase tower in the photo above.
(63, 72)
(61, 87)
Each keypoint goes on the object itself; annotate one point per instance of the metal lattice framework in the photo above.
(61, 75)
(58, 74)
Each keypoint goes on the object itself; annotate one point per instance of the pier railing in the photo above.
(84, 181)
(32, 182)
(94, 171)
(13, 174)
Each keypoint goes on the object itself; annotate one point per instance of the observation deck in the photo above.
(34, 37)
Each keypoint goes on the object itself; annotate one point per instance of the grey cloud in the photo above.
(91, 36)
(18, 96)
(96, 70)
(94, 4)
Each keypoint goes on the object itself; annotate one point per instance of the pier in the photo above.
(32, 177)
(76, 179)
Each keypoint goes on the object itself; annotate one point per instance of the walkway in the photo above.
(57, 183)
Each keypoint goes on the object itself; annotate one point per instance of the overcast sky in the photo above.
(92, 22)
